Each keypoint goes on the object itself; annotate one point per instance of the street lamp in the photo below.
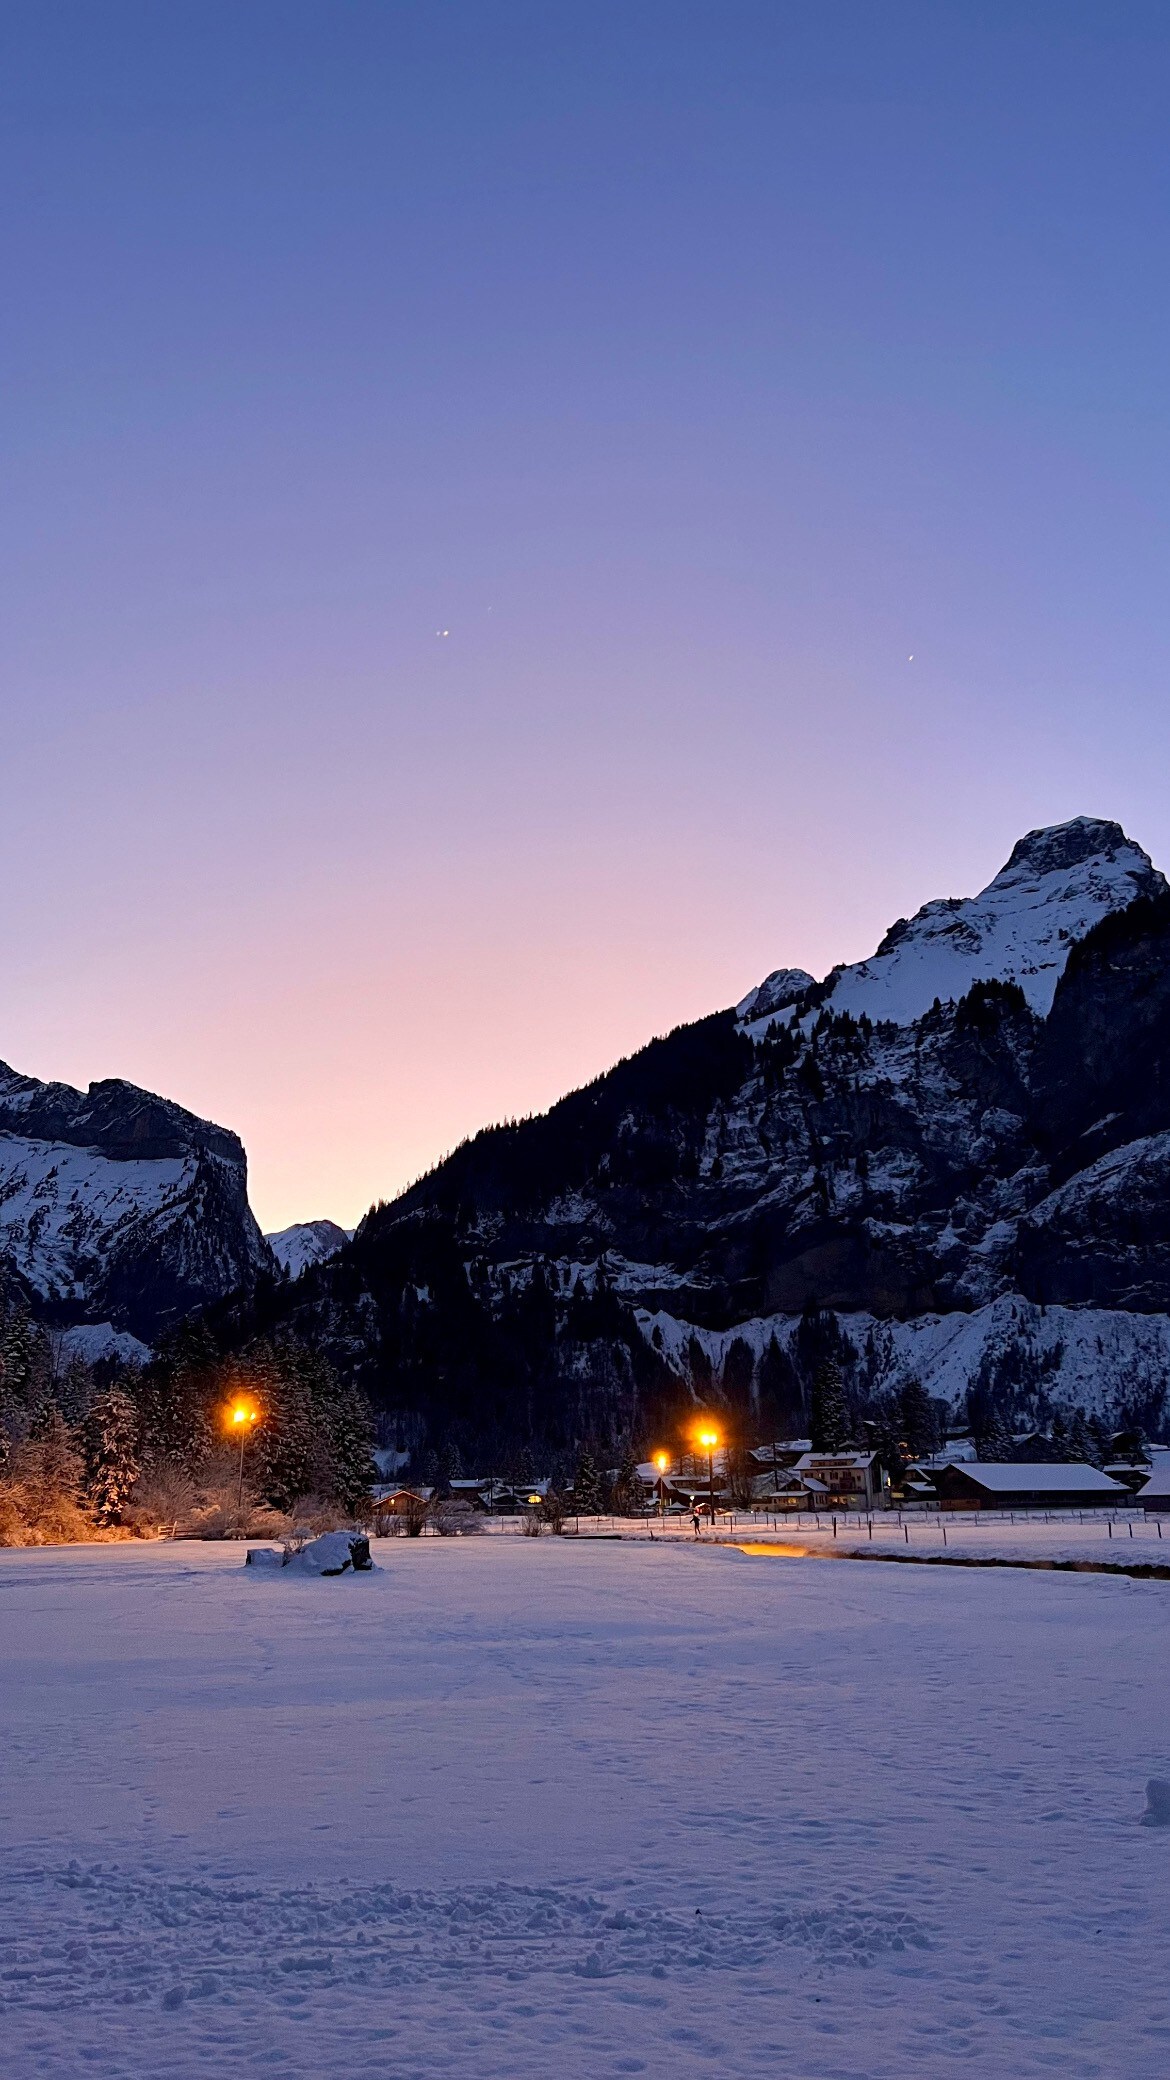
(709, 1439)
(662, 1462)
(240, 1420)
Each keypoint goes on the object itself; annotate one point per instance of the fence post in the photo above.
(906, 1533)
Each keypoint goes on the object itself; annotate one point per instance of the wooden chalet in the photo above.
(998, 1484)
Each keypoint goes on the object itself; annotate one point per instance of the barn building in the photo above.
(998, 1485)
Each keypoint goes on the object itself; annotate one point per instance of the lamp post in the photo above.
(662, 1462)
(709, 1439)
(242, 1418)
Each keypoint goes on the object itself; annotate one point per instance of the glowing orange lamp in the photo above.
(662, 1462)
(240, 1420)
(709, 1439)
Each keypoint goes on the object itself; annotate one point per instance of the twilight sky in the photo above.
(690, 366)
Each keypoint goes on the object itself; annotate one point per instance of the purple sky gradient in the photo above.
(693, 366)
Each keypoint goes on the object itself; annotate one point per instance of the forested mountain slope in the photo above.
(976, 1191)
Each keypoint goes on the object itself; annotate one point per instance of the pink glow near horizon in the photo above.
(770, 406)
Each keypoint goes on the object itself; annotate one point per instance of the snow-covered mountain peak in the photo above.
(775, 993)
(306, 1242)
(1056, 847)
(118, 1206)
(1058, 883)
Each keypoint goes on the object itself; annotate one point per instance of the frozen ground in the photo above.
(515, 1807)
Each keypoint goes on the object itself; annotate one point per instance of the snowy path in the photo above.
(518, 1807)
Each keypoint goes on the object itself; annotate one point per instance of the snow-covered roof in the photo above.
(1159, 1481)
(1014, 1476)
(786, 1482)
(1058, 883)
(837, 1461)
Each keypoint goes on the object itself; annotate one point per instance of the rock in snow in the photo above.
(335, 1552)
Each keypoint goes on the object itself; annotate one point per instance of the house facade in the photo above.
(846, 1480)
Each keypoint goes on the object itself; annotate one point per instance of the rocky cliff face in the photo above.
(119, 1207)
(953, 1160)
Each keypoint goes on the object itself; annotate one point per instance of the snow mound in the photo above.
(1058, 883)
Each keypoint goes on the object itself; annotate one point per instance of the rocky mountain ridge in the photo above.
(1057, 884)
(119, 1209)
(916, 1164)
(306, 1242)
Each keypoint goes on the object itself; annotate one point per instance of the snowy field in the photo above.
(518, 1807)
(1099, 1539)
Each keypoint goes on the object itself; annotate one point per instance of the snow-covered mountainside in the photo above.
(953, 1161)
(306, 1242)
(1056, 886)
(120, 1208)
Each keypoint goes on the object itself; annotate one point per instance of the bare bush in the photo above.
(533, 1524)
(415, 1512)
(40, 1497)
(30, 1516)
(217, 1514)
(163, 1499)
(554, 1509)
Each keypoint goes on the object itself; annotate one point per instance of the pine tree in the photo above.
(993, 1440)
(628, 1492)
(828, 1415)
(1059, 1436)
(26, 1358)
(288, 1459)
(111, 1453)
(57, 1462)
(349, 1436)
(887, 1436)
(74, 1392)
(1080, 1442)
(586, 1488)
(920, 1425)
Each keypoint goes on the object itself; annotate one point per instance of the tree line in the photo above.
(90, 1450)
